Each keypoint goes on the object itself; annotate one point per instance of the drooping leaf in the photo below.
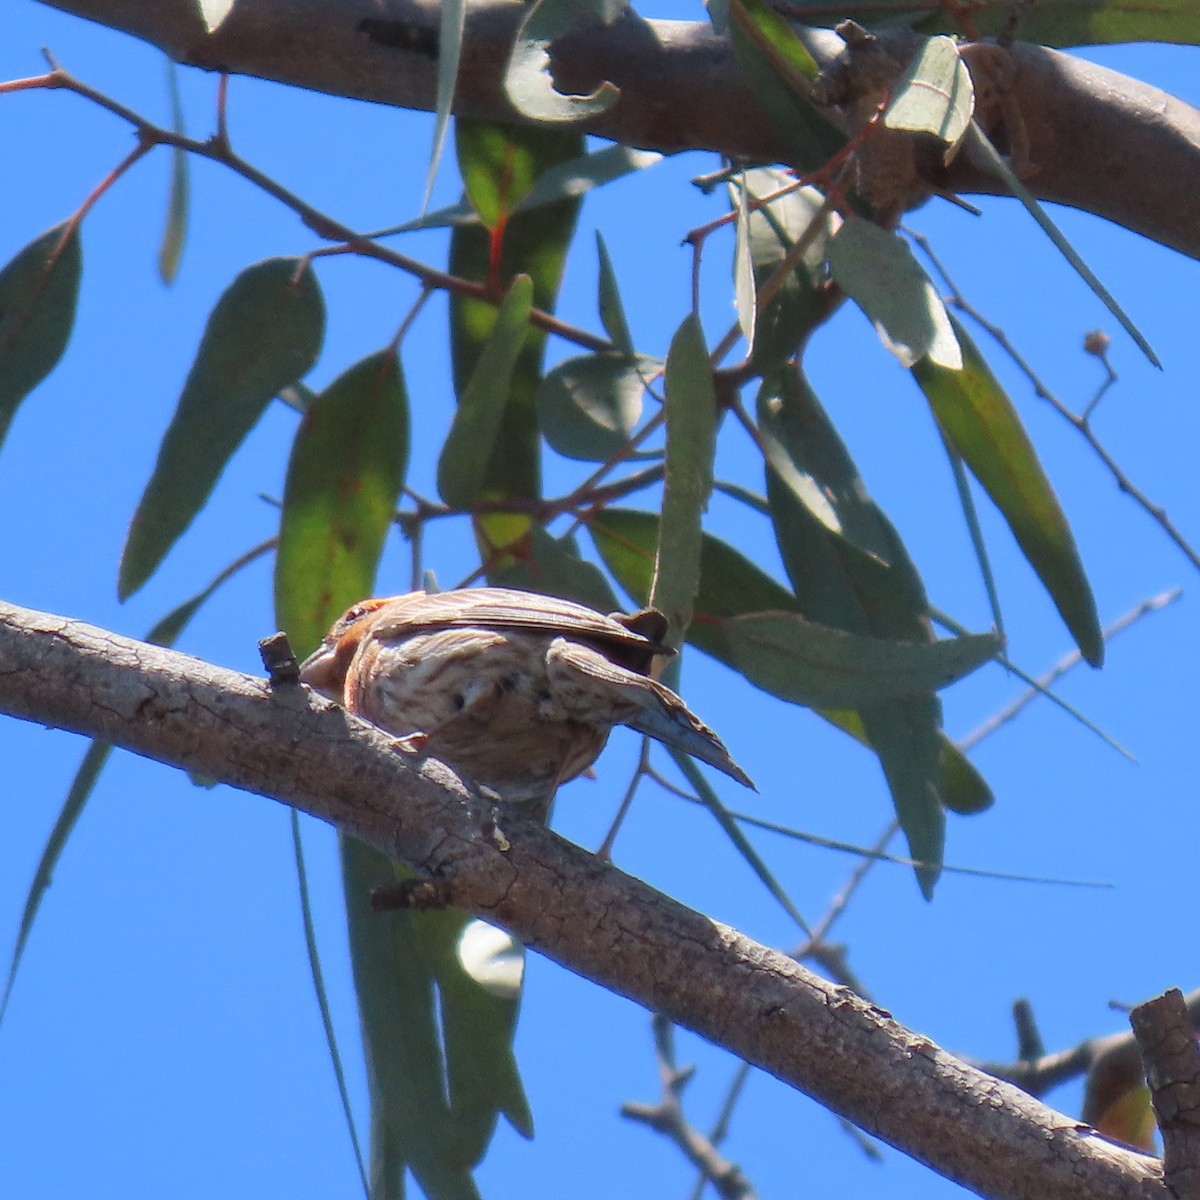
(589, 406)
(344, 477)
(935, 95)
(528, 82)
(612, 311)
(411, 1122)
(879, 272)
(450, 36)
(533, 243)
(472, 437)
(744, 287)
(318, 978)
(856, 576)
(982, 425)
(708, 796)
(786, 317)
(691, 444)
(38, 292)
(478, 1011)
(170, 250)
(80, 790)
(264, 334)
(496, 175)
(574, 178)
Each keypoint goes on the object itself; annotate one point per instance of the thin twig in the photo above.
(217, 149)
(1065, 664)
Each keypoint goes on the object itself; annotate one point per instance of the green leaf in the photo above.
(528, 82)
(691, 443)
(434, 1099)
(934, 95)
(553, 567)
(264, 334)
(38, 292)
(982, 425)
(450, 37)
(574, 178)
(881, 275)
(612, 311)
(822, 667)
(730, 583)
(786, 318)
(77, 796)
(588, 407)
(984, 156)
(318, 978)
(497, 177)
(532, 243)
(569, 180)
(743, 616)
(170, 250)
(779, 71)
(472, 437)
(411, 1121)
(344, 477)
(855, 576)
(744, 286)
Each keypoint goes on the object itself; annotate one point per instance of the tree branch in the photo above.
(1101, 141)
(560, 900)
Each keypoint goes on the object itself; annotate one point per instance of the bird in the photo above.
(514, 690)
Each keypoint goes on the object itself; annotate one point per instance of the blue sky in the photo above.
(163, 1033)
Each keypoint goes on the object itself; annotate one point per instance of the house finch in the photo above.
(516, 691)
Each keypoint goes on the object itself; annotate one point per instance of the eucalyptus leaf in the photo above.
(612, 311)
(264, 335)
(779, 71)
(935, 95)
(39, 289)
(472, 437)
(821, 667)
(980, 422)
(347, 466)
(588, 407)
(882, 276)
(691, 444)
(450, 37)
(531, 243)
(528, 82)
(170, 250)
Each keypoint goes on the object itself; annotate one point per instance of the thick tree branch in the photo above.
(1101, 141)
(562, 901)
